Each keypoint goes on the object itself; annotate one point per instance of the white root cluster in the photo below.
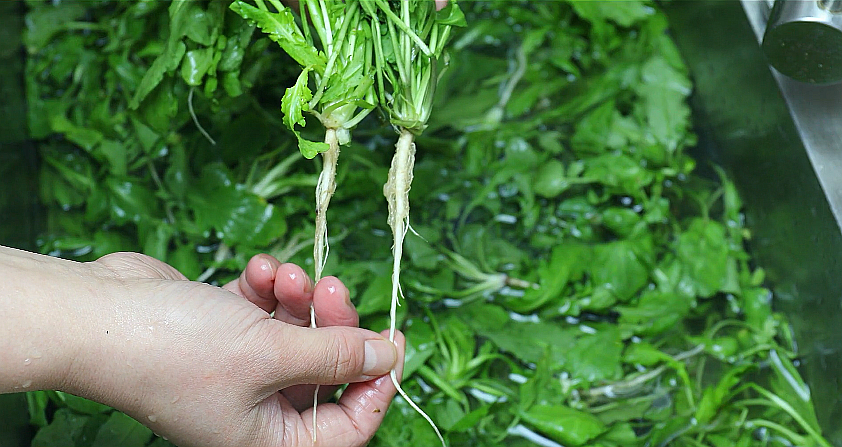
(325, 187)
(396, 191)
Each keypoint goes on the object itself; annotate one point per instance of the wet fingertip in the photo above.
(334, 286)
(291, 272)
(267, 264)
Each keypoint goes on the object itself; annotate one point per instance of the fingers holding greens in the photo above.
(356, 56)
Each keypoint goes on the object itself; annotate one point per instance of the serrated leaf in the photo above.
(164, 63)
(310, 149)
(293, 105)
(296, 101)
(281, 28)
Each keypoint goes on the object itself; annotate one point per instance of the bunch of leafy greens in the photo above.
(574, 281)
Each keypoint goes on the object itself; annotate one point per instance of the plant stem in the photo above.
(396, 191)
(325, 188)
(324, 191)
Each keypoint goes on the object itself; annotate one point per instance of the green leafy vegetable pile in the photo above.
(574, 280)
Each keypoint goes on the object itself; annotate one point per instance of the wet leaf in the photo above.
(564, 424)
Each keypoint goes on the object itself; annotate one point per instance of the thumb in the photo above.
(336, 355)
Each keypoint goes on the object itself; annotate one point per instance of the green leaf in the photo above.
(160, 442)
(550, 180)
(166, 62)
(591, 136)
(122, 431)
(36, 403)
(788, 385)
(644, 354)
(620, 268)
(310, 149)
(655, 312)
(704, 252)
(235, 48)
(195, 65)
(62, 430)
(420, 252)
(45, 20)
(757, 309)
(86, 138)
(420, 345)
(621, 434)
(622, 12)
(81, 404)
(451, 15)
(296, 101)
(470, 420)
(186, 260)
(595, 357)
(619, 171)
(664, 91)
(564, 424)
(198, 24)
(565, 260)
(116, 155)
(293, 105)
(535, 389)
(281, 28)
(377, 296)
(715, 397)
(236, 215)
(131, 200)
(493, 322)
(622, 221)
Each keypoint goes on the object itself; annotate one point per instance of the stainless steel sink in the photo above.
(781, 142)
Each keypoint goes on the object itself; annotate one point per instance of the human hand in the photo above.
(204, 367)
(288, 291)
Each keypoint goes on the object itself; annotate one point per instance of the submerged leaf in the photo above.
(564, 424)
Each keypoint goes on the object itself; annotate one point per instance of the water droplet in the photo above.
(175, 399)
(27, 384)
(35, 354)
(27, 362)
(152, 418)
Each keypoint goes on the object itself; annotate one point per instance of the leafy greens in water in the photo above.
(556, 158)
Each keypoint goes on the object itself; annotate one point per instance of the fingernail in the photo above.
(380, 357)
(348, 301)
(308, 284)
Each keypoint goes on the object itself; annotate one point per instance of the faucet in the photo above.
(803, 40)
